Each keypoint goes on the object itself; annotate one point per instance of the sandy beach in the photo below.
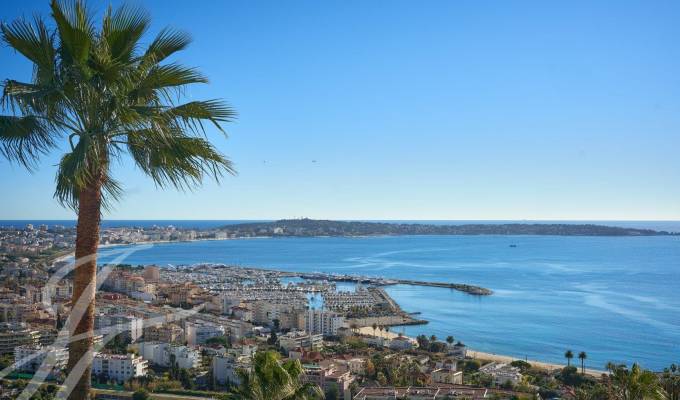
(480, 355)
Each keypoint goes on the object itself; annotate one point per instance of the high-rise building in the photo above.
(320, 321)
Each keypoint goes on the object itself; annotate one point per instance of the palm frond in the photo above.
(24, 139)
(168, 42)
(110, 99)
(75, 28)
(35, 42)
(179, 161)
(162, 78)
(122, 29)
(193, 114)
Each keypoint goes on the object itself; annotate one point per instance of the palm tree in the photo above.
(94, 87)
(569, 355)
(375, 326)
(450, 340)
(272, 380)
(636, 384)
(433, 338)
(582, 356)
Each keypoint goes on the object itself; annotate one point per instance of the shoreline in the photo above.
(474, 353)
(480, 355)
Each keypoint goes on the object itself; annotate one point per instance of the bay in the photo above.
(617, 298)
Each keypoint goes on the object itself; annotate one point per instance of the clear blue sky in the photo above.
(416, 110)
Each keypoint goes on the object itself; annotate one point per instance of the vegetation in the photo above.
(569, 355)
(670, 380)
(219, 340)
(634, 383)
(95, 88)
(582, 356)
(270, 379)
(397, 371)
(140, 394)
(310, 227)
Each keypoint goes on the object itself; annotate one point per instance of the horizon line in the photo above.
(356, 219)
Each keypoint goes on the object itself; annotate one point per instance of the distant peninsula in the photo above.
(305, 227)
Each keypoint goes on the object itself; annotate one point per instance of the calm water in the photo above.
(617, 298)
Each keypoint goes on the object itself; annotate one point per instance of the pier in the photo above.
(469, 289)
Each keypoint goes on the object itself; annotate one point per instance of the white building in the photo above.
(286, 313)
(198, 333)
(447, 375)
(120, 368)
(402, 343)
(225, 368)
(458, 350)
(164, 354)
(129, 326)
(319, 321)
(502, 373)
(29, 358)
(294, 339)
(16, 334)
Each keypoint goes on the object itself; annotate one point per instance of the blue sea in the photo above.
(616, 298)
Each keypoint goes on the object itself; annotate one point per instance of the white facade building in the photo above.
(323, 322)
(129, 326)
(502, 373)
(294, 339)
(30, 358)
(225, 368)
(199, 333)
(120, 368)
(164, 354)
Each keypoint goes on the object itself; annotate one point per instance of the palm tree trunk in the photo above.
(84, 286)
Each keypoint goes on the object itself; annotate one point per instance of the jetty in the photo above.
(462, 287)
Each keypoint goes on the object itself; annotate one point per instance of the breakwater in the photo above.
(462, 287)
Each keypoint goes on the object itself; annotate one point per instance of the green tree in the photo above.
(670, 379)
(568, 355)
(109, 99)
(332, 392)
(219, 340)
(450, 340)
(186, 379)
(270, 379)
(140, 394)
(582, 356)
(635, 384)
(272, 339)
(423, 342)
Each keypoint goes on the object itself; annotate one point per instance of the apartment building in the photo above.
(120, 368)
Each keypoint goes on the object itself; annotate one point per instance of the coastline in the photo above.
(503, 357)
(480, 355)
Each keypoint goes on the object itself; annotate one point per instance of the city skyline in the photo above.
(447, 112)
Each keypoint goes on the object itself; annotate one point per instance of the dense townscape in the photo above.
(205, 330)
